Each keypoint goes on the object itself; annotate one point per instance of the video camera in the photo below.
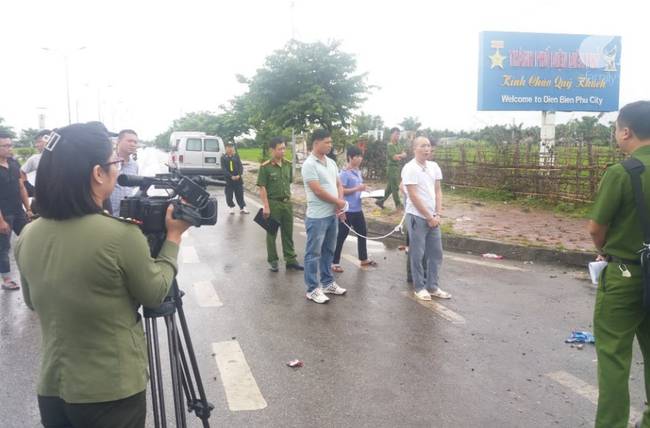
(192, 203)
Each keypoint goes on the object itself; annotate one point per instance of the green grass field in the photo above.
(254, 154)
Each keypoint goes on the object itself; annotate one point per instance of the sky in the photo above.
(142, 64)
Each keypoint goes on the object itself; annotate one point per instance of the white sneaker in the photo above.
(317, 296)
(244, 211)
(441, 294)
(334, 288)
(422, 295)
(232, 210)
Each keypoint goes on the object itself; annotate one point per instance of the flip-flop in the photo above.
(369, 263)
(10, 286)
(337, 268)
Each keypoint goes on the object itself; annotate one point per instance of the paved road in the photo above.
(493, 356)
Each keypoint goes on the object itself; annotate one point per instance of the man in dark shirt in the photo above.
(232, 171)
(13, 196)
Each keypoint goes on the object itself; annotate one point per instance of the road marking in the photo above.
(239, 384)
(205, 294)
(585, 390)
(482, 263)
(189, 254)
(254, 203)
(436, 307)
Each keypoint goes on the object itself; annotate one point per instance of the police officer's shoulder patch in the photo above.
(265, 163)
(286, 160)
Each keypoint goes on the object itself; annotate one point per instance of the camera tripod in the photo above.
(186, 379)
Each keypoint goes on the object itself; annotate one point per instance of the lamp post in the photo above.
(67, 76)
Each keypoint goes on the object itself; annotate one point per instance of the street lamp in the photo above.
(67, 76)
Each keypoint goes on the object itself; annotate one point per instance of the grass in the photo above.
(254, 154)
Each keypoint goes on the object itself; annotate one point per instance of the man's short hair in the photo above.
(394, 129)
(5, 135)
(124, 132)
(353, 151)
(275, 141)
(636, 117)
(320, 134)
(42, 134)
(229, 144)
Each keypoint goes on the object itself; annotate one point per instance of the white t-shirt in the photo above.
(30, 167)
(425, 180)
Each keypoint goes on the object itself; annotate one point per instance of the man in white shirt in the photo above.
(31, 164)
(421, 178)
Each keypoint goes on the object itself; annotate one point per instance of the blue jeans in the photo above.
(16, 223)
(319, 251)
(424, 243)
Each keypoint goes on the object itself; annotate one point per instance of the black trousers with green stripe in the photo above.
(128, 412)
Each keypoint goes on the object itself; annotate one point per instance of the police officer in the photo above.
(85, 273)
(274, 181)
(619, 314)
(395, 156)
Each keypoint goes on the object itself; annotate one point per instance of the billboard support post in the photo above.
(547, 139)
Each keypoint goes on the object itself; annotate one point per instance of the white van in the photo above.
(196, 153)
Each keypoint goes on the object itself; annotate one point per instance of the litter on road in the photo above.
(581, 337)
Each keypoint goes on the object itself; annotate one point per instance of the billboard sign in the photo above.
(548, 72)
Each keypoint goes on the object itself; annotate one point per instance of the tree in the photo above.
(410, 123)
(302, 86)
(7, 129)
(363, 123)
(27, 137)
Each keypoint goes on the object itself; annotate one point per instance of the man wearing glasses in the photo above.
(126, 148)
(13, 197)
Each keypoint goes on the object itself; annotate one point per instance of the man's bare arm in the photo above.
(598, 234)
(321, 194)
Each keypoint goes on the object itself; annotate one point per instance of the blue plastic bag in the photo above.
(581, 337)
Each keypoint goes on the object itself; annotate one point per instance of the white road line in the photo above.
(436, 307)
(189, 254)
(586, 390)
(483, 263)
(205, 294)
(254, 203)
(239, 384)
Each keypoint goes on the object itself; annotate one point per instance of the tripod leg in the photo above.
(152, 372)
(201, 406)
(172, 337)
(157, 372)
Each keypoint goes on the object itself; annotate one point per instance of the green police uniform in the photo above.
(85, 277)
(276, 179)
(618, 314)
(393, 169)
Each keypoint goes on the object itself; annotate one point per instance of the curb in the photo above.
(471, 245)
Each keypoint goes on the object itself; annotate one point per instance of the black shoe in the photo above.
(295, 266)
(274, 267)
(379, 203)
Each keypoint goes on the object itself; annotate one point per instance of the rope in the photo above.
(397, 228)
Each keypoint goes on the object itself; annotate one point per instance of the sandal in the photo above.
(10, 286)
(368, 263)
(337, 268)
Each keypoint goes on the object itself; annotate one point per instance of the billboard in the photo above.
(548, 72)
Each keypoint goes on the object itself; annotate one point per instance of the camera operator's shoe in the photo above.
(295, 266)
(244, 211)
(422, 295)
(440, 294)
(232, 210)
(273, 267)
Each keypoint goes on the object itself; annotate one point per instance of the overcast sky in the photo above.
(146, 63)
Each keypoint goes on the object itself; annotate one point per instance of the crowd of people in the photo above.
(84, 270)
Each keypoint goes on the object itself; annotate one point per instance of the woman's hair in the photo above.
(353, 151)
(63, 177)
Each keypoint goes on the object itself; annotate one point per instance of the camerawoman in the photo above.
(85, 273)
